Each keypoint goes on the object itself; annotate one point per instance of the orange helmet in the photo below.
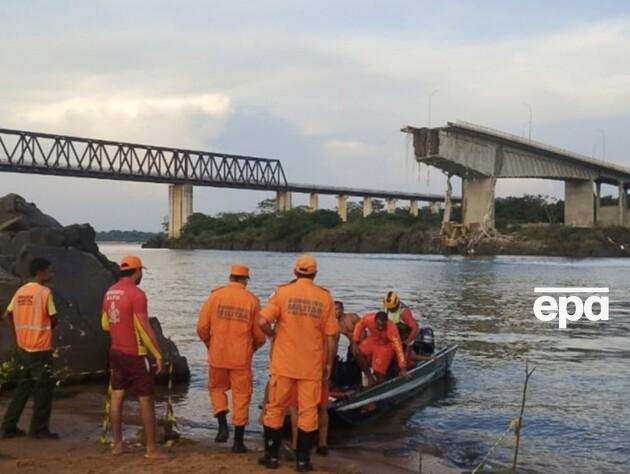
(391, 300)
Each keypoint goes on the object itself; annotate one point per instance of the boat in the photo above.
(357, 406)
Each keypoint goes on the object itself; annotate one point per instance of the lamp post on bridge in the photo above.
(603, 134)
(531, 117)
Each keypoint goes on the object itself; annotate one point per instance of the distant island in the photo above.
(125, 236)
(528, 225)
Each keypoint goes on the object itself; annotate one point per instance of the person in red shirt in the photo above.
(125, 317)
(381, 344)
(402, 317)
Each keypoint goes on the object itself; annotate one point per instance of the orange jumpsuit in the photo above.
(228, 324)
(304, 314)
(379, 347)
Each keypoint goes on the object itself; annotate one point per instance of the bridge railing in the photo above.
(31, 152)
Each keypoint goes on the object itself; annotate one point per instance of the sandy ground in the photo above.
(77, 417)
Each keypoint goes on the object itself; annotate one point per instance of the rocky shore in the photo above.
(81, 276)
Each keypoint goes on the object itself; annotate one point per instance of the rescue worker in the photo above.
(228, 326)
(125, 317)
(304, 318)
(31, 317)
(381, 344)
(402, 317)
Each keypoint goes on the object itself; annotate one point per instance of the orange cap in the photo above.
(306, 265)
(131, 262)
(239, 270)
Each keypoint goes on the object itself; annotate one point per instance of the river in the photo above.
(576, 419)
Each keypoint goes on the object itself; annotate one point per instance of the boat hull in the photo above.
(375, 401)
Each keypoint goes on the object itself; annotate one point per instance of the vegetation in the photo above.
(528, 209)
(124, 236)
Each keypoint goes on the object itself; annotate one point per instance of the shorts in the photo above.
(131, 372)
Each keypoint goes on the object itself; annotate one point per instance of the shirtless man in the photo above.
(346, 323)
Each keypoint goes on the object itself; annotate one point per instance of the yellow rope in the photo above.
(512, 426)
(106, 420)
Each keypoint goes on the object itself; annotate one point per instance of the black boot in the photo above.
(303, 451)
(223, 434)
(272, 448)
(239, 446)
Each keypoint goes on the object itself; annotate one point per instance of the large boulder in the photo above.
(82, 275)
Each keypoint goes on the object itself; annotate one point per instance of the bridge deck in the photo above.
(62, 155)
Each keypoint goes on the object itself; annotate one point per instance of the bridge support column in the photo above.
(180, 206)
(621, 204)
(283, 201)
(342, 209)
(435, 207)
(478, 201)
(367, 206)
(578, 203)
(391, 206)
(413, 207)
(598, 204)
(314, 202)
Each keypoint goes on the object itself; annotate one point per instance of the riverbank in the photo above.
(77, 417)
(396, 238)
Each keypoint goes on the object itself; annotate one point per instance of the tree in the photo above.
(266, 206)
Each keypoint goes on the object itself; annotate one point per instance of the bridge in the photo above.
(62, 155)
(481, 155)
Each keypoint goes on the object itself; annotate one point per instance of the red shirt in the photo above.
(126, 317)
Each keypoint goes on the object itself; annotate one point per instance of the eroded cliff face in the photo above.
(82, 275)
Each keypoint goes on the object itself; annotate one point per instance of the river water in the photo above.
(578, 406)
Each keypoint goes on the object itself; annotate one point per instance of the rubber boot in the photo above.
(303, 451)
(223, 434)
(239, 445)
(272, 448)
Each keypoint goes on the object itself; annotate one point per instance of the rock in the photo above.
(21, 215)
(82, 275)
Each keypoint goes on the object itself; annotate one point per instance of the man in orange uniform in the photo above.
(125, 316)
(228, 326)
(31, 316)
(305, 323)
(380, 345)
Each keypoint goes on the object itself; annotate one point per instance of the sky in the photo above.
(324, 86)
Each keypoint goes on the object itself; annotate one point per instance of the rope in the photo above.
(512, 426)
(106, 420)
(171, 427)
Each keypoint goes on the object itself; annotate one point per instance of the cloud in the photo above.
(129, 108)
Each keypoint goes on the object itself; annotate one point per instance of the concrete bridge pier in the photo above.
(435, 207)
(180, 207)
(342, 208)
(598, 203)
(391, 205)
(314, 202)
(578, 203)
(413, 207)
(621, 204)
(367, 206)
(478, 201)
(283, 201)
